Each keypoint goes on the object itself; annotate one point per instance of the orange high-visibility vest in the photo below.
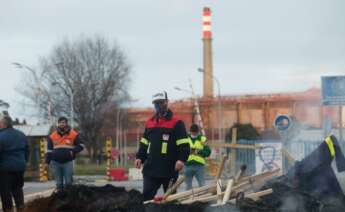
(65, 141)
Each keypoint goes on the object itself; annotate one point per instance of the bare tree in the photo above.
(82, 79)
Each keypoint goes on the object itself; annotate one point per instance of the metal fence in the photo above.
(298, 149)
(244, 156)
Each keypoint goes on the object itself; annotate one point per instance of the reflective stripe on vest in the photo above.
(196, 158)
(182, 141)
(199, 145)
(144, 141)
(164, 148)
(330, 145)
(65, 141)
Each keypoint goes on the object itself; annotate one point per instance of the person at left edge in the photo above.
(63, 145)
(14, 154)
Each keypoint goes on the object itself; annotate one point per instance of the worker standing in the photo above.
(195, 166)
(163, 148)
(14, 153)
(63, 145)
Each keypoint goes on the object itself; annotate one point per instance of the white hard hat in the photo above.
(160, 96)
(3, 114)
(3, 105)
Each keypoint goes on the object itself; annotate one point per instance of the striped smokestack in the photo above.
(207, 52)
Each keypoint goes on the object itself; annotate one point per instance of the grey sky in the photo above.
(259, 46)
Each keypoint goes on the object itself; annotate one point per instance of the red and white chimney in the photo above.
(206, 23)
(207, 53)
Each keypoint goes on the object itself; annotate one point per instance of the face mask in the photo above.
(157, 107)
(193, 136)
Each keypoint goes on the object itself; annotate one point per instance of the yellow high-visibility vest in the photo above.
(330, 145)
(199, 145)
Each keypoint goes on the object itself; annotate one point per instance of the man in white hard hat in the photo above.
(163, 149)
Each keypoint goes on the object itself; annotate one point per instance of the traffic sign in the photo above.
(282, 122)
(333, 90)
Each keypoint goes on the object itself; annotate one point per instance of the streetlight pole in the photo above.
(117, 145)
(72, 109)
(220, 119)
(20, 66)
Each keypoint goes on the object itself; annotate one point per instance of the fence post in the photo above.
(233, 151)
(43, 167)
(108, 146)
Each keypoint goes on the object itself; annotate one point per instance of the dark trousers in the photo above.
(152, 184)
(11, 185)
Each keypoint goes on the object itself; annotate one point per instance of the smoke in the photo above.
(293, 203)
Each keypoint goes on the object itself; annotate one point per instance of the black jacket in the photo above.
(164, 142)
(14, 150)
(315, 174)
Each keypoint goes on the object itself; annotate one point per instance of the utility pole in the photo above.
(197, 108)
(220, 118)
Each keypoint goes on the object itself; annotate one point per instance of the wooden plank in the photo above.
(221, 167)
(239, 186)
(227, 192)
(255, 182)
(193, 199)
(174, 187)
(233, 151)
(219, 190)
(204, 199)
(198, 195)
(258, 176)
(184, 194)
(236, 146)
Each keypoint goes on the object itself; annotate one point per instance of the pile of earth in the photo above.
(85, 198)
(310, 185)
(108, 198)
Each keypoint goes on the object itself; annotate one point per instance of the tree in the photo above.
(244, 131)
(16, 121)
(87, 76)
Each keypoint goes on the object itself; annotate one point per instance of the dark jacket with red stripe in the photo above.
(163, 143)
(63, 146)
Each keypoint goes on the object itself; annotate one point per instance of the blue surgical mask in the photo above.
(157, 107)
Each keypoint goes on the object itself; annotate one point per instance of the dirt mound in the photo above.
(89, 199)
(107, 198)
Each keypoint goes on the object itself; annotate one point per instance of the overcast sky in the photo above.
(259, 46)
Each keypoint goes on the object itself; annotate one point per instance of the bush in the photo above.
(244, 131)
